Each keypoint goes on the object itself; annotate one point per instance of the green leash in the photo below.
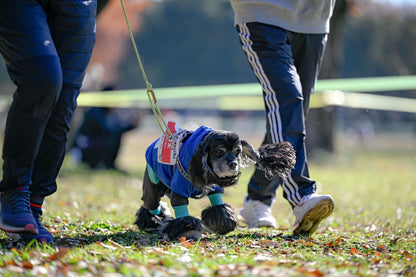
(150, 93)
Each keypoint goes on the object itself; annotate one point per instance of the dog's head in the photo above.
(216, 160)
(221, 154)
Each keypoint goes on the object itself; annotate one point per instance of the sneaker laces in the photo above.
(37, 215)
(18, 201)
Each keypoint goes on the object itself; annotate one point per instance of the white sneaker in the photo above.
(257, 214)
(312, 209)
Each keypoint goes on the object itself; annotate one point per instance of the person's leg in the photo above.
(260, 188)
(269, 50)
(72, 25)
(33, 65)
(36, 71)
(270, 56)
(307, 51)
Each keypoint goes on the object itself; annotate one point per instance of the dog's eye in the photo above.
(237, 152)
(219, 153)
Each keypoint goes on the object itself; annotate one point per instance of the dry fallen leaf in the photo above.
(27, 265)
(106, 245)
(185, 243)
(15, 250)
(115, 244)
(381, 248)
(310, 272)
(59, 254)
(354, 251)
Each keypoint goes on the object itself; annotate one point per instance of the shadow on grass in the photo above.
(133, 238)
(126, 238)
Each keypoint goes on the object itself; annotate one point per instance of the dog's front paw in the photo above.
(188, 227)
(219, 219)
(151, 223)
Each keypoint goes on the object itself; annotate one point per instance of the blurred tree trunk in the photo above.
(320, 121)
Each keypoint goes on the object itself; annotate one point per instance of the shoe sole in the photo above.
(40, 239)
(312, 218)
(27, 238)
(29, 229)
(260, 224)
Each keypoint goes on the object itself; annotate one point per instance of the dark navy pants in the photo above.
(286, 65)
(46, 46)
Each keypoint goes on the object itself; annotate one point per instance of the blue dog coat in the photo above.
(170, 174)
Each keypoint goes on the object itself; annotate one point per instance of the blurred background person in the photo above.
(98, 139)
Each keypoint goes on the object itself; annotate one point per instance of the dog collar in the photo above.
(186, 175)
(182, 170)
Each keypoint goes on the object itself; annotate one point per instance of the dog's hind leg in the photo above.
(154, 214)
(153, 190)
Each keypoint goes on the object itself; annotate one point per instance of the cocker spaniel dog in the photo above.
(195, 164)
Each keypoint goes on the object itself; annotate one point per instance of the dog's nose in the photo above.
(232, 164)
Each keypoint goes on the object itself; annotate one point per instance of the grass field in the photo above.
(372, 231)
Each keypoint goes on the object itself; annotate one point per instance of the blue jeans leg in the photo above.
(46, 54)
(73, 30)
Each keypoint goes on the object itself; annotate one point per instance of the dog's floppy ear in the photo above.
(197, 170)
(274, 159)
(249, 151)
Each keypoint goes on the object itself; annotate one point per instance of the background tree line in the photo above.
(194, 42)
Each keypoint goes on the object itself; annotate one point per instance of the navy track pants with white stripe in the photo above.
(286, 65)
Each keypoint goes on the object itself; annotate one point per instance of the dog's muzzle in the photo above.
(220, 181)
(228, 181)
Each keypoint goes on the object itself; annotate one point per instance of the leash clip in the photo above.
(158, 114)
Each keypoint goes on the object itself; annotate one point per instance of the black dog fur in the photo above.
(219, 219)
(217, 150)
(152, 223)
(188, 227)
